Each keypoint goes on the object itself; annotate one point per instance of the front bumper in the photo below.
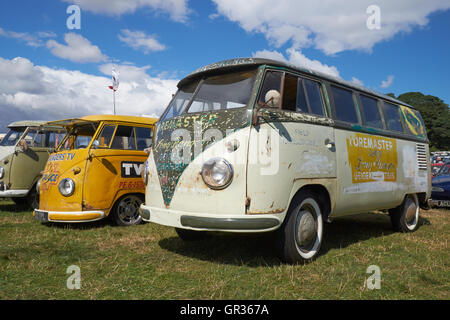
(70, 217)
(13, 193)
(210, 222)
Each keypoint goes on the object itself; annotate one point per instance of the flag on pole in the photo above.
(115, 80)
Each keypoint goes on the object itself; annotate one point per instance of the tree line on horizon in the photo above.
(435, 114)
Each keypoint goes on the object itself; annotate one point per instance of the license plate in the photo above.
(41, 215)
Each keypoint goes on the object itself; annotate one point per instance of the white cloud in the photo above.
(29, 91)
(387, 83)
(77, 49)
(29, 39)
(177, 9)
(299, 59)
(357, 81)
(329, 25)
(138, 40)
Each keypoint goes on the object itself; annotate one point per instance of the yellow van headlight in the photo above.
(66, 187)
(217, 173)
(2, 172)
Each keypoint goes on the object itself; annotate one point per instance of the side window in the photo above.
(270, 94)
(392, 117)
(344, 105)
(106, 136)
(34, 139)
(124, 138)
(371, 114)
(314, 92)
(290, 92)
(54, 138)
(143, 137)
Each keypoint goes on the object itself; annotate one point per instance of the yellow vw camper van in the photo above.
(96, 170)
(256, 145)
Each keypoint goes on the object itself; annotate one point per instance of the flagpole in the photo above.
(114, 99)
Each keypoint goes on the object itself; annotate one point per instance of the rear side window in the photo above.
(392, 117)
(371, 113)
(344, 105)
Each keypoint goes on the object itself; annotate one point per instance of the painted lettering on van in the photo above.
(372, 158)
(131, 169)
(62, 157)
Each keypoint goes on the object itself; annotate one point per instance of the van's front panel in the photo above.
(110, 172)
(176, 187)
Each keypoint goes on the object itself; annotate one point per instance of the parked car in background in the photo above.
(96, 170)
(440, 190)
(23, 153)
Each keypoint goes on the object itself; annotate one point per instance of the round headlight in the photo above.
(217, 173)
(67, 187)
(2, 172)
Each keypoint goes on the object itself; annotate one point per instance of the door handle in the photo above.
(330, 144)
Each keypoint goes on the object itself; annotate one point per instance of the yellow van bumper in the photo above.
(74, 216)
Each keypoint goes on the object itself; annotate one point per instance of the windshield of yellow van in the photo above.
(220, 92)
(79, 137)
(12, 137)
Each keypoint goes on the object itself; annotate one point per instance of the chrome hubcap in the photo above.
(128, 209)
(306, 230)
(411, 212)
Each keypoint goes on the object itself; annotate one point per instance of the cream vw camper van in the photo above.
(256, 145)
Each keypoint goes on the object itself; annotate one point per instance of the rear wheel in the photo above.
(300, 236)
(405, 218)
(126, 210)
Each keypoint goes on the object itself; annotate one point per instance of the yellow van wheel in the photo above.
(126, 210)
(405, 217)
(301, 234)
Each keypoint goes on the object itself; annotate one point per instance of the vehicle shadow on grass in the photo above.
(80, 225)
(11, 207)
(256, 250)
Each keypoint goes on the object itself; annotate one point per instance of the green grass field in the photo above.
(150, 262)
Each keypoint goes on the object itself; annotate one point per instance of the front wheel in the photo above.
(405, 217)
(300, 236)
(126, 210)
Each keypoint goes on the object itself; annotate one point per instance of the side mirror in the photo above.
(95, 144)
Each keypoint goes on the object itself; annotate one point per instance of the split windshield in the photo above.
(79, 137)
(12, 137)
(220, 92)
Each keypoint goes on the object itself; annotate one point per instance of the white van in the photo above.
(256, 145)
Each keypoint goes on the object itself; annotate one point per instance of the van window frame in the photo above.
(343, 123)
(363, 112)
(117, 124)
(322, 86)
(404, 131)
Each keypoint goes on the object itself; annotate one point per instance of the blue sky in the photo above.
(65, 73)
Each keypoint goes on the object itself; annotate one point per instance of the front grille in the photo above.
(421, 156)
